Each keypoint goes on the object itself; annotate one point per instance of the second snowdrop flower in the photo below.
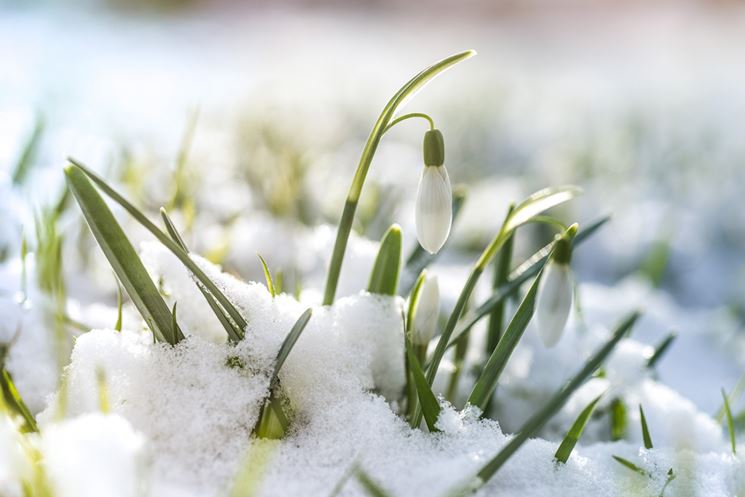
(427, 312)
(434, 211)
(555, 294)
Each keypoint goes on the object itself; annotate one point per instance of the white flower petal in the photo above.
(554, 302)
(427, 312)
(434, 211)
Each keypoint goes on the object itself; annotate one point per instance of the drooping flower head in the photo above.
(434, 211)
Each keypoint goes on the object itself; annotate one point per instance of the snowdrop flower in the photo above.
(434, 211)
(427, 312)
(555, 294)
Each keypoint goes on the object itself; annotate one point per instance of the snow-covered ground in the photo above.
(642, 111)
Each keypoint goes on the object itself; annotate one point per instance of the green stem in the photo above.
(410, 116)
(381, 125)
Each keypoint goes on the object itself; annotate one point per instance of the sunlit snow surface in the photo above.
(648, 127)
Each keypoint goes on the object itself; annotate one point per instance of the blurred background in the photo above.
(246, 119)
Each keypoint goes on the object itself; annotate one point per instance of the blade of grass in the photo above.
(556, 402)
(670, 477)
(501, 277)
(487, 381)
(411, 393)
(645, 430)
(730, 423)
(288, 343)
(343, 480)
(23, 166)
(630, 465)
(575, 432)
(119, 305)
(273, 422)
(539, 202)
(122, 257)
(617, 419)
(267, 277)
(167, 242)
(13, 400)
(234, 333)
(387, 267)
(427, 399)
(661, 348)
(370, 486)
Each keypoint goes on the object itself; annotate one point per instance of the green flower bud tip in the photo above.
(434, 148)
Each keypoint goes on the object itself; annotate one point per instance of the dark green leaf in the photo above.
(633, 467)
(122, 257)
(487, 381)
(575, 432)
(182, 255)
(660, 350)
(645, 430)
(267, 277)
(288, 343)
(387, 267)
(730, 423)
(233, 331)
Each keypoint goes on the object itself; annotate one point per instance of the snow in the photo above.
(191, 411)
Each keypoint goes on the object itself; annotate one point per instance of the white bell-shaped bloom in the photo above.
(554, 302)
(434, 208)
(427, 312)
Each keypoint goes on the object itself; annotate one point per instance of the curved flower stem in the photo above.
(381, 125)
(409, 116)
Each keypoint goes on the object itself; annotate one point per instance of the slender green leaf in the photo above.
(645, 430)
(288, 343)
(119, 305)
(617, 419)
(267, 277)
(575, 432)
(549, 221)
(660, 350)
(411, 392)
(730, 423)
(531, 427)
(343, 480)
(487, 381)
(539, 202)
(630, 465)
(387, 267)
(182, 255)
(122, 257)
(427, 400)
(370, 486)
(13, 400)
(501, 277)
(272, 423)
(670, 477)
(25, 161)
(234, 333)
